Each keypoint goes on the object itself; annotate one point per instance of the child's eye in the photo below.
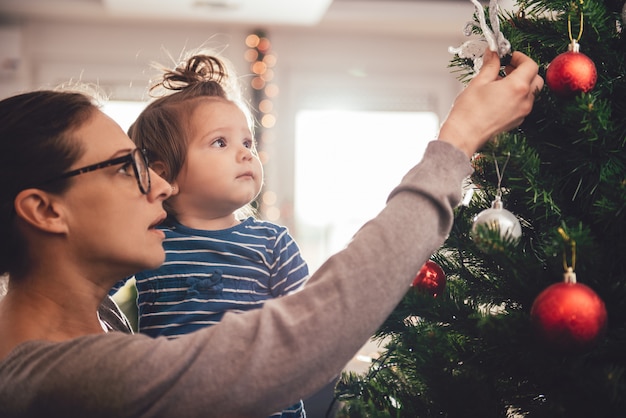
(219, 143)
(249, 143)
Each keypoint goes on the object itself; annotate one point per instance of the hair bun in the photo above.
(196, 69)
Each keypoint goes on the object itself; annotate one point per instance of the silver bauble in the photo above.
(498, 219)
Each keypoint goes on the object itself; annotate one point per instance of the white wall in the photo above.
(372, 70)
(358, 71)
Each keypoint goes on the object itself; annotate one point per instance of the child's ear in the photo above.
(40, 210)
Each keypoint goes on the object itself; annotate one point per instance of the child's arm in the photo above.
(290, 272)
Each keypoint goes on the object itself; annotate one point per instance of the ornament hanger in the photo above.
(574, 46)
(569, 23)
(500, 174)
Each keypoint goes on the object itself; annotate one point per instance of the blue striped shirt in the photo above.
(207, 273)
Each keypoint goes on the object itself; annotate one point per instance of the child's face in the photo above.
(222, 171)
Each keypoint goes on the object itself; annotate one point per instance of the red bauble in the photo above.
(430, 279)
(569, 317)
(570, 73)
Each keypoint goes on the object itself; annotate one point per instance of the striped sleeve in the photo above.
(289, 271)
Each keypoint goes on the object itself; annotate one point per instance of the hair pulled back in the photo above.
(35, 145)
(162, 129)
(200, 75)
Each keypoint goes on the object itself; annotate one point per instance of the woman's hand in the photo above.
(491, 104)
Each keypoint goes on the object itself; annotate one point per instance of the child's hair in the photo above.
(36, 145)
(162, 129)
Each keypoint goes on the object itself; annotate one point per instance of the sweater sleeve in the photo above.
(257, 362)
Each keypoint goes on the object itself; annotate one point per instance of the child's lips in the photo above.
(246, 174)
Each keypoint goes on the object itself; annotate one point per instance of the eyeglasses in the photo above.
(140, 166)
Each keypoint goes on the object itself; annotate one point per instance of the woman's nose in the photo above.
(160, 188)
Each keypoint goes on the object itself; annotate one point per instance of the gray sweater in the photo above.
(254, 363)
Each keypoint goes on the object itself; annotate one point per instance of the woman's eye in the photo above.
(126, 169)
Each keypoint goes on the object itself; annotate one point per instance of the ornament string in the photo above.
(500, 174)
(570, 276)
(569, 23)
(574, 46)
(521, 13)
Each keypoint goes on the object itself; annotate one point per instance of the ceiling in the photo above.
(240, 11)
(305, 12)
(428, 17)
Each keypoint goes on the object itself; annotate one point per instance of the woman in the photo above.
(78, 212)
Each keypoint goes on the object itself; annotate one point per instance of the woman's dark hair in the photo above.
(35, 146)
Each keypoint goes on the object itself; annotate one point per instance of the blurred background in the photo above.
(347, 92)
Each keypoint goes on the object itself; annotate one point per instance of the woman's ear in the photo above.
(40, 210)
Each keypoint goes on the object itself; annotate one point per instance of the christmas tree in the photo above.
(489, 345)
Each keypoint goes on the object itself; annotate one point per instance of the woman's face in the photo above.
(111, 224)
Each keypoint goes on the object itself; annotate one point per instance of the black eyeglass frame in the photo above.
(129, 158)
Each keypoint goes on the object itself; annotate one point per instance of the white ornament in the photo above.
(498, 219)
(492, 38)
